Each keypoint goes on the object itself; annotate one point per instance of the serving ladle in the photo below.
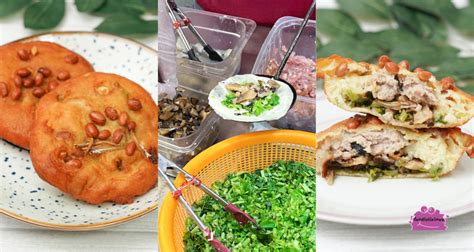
(276, 76)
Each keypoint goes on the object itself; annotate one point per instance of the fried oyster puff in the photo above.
(362, 146)
(394, 94)
(27, 72)
(96, 139)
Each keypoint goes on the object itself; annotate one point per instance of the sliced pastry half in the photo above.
(394, 94)
(363, 146)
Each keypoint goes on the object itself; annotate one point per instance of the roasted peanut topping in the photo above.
(18, 81)
(3, 89)
(16, 93)
(38, 92)
(23, 72)
(391, 67)
(447, 83)
(111, 113)
(39, 79)
(130, 148)
(104, 135)
(117, 136)
(134, 104)
(45, 71)
(98, 118)
(382, 60)
(71, 59)
(123, 118)
(52, 85)
(63, 75)
(28, 83)
(404, 64)
(424, 75)
(23, 55)
(91, 130)
(342, 70)
(353, 123)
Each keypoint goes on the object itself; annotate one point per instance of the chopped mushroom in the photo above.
(423, 115)
(247, 96)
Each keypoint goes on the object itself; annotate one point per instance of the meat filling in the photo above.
(378, 149)
(399, 98)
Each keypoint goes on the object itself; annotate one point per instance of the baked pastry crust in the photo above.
(17, 108)
(429, 103)
(96, 138)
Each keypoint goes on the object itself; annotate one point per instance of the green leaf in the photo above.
(335, 22)
(365, 8)
(8, 7)
(44, 14)
(461, 68)
(127, 24)
(434, 7)
(462, 20)
(432, 28)
(391, 38)
(121, 6)
(424, 55)
(424, 25)
(151, 5)
(88, 5)
(467, 85)
(359, 50)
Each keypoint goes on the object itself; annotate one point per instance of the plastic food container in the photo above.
(221, 32)
(246, 152)
(181, 150)
(303, 114)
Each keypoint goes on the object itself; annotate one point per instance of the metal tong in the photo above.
(172, 9)
(240, 216)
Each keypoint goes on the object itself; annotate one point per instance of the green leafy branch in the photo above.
(420, 36)
(122, 17)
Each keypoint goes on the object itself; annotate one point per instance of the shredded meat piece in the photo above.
(382, 143)
(417, 91)
(387, 87)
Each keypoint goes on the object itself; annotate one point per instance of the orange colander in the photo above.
(246, 152)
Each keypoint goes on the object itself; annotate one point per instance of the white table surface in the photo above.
(138, 235)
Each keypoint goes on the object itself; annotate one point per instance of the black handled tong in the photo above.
(175, 12)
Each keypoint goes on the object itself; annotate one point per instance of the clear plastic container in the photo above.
(181, 150)
(303, 114)
(221, 32)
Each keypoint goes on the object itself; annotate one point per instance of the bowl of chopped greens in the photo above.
(269, 175)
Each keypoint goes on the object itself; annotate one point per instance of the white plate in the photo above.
(389, 201)
(24, 196)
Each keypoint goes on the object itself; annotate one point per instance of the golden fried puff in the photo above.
(27, 72)
(95, 138)
(394, 94)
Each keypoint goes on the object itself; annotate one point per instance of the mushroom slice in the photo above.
(247, 96)
(423, 115)
(237, 87)
(414, 164)
(273, 84)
